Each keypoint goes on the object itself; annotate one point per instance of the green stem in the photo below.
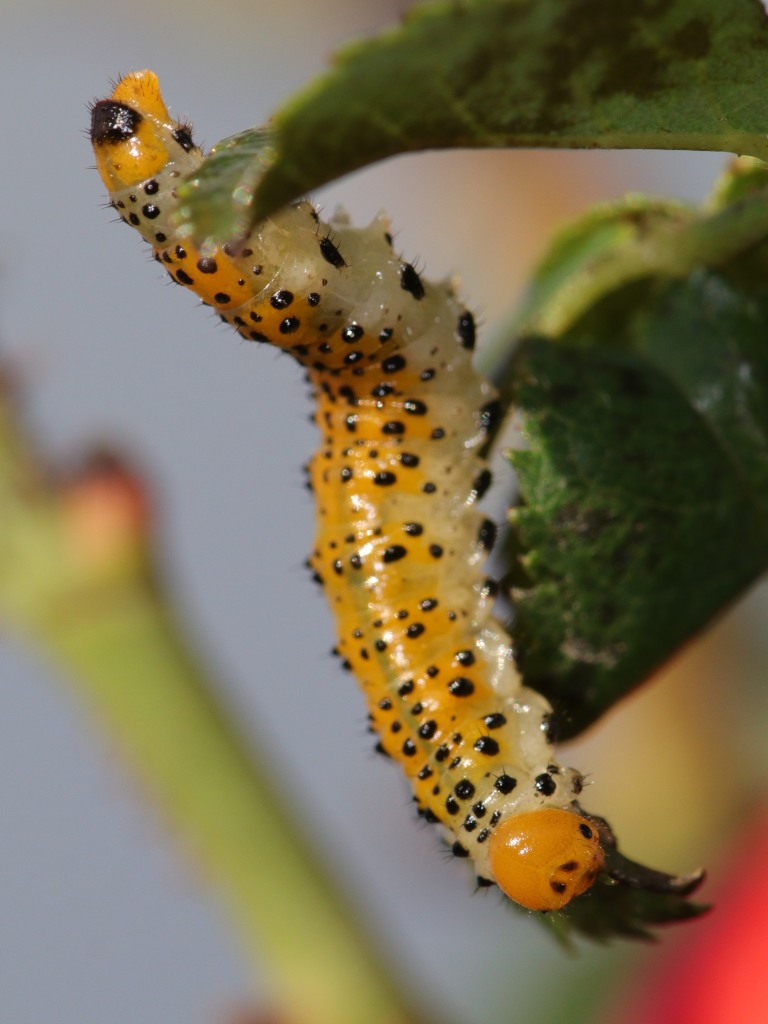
(128, 662)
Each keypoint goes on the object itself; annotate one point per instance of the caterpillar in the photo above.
(400, 542)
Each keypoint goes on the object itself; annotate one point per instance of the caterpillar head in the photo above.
(542, 859)
(133, 135)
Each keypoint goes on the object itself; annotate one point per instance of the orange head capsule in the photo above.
(134, 136)
(542, 859)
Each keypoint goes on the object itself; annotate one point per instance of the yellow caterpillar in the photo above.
(400, 542)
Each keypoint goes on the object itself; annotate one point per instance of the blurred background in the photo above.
(100, 917)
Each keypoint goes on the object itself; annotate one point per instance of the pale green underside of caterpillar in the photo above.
(400, 542)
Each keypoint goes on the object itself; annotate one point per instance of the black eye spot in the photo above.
(586, 831)
(113, 122)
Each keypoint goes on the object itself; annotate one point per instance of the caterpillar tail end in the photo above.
(543, 859)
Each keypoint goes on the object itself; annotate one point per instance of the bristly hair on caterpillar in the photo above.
(400, 542)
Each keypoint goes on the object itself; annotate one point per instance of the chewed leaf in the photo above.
(658, 74)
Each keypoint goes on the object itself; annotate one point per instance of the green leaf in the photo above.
(218, 202)
(646, 482)
(659, 74)
(744, 177)
(636, 237)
